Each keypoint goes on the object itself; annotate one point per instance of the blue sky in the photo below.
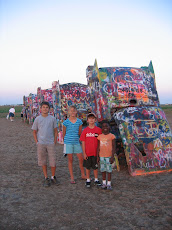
(42, 41)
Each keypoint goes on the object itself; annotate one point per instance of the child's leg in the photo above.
(95, 173)
(104, 179)
(52, 158)
(80, 157)
(88, 174)
(70, 166)
(109, 179)
(53, 170)
(96, 180)
(44, 168)
(104, 176)
(42, 158)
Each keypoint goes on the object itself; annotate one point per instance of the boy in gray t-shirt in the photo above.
(45, 135)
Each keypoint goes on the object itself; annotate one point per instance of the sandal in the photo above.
(83, 178)
(72, 182)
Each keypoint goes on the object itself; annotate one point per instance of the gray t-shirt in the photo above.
(45, 129)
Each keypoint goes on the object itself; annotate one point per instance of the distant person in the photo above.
(45, 135)
(11, 113)
(106, 151)
(22, 114)
(89, 146)
(72, 128)
(25, 114)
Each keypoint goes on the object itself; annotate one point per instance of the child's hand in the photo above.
(85, 157)
(111, 159)
(98, 159)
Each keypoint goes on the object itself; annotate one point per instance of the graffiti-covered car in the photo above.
(146, 138)
(128, 98)
(66, 95)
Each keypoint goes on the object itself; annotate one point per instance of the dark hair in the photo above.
(45, 103)
(105, 122)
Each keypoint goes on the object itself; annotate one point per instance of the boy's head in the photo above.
(45, 107)
(91, 118)
(45, 103)
(91, 115)
(105, 127)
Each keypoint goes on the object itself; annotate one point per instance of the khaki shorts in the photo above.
(44, 152)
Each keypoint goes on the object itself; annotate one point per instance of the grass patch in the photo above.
(166, 107)
(4, 109)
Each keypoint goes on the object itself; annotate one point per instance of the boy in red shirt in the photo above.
(89, 147)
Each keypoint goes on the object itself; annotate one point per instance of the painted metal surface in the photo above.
(30, 105)
(119, 87)
(146, 138)
(128, 98)
(66, 95)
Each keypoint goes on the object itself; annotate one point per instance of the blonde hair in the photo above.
(72, 106)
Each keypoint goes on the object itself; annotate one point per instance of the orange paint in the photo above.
(141, 172)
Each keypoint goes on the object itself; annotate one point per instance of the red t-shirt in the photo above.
(90, 137)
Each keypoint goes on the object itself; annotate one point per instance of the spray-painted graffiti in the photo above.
(147, 137)
(74, 93)
(66, 95)
(30, 105)
(121, 87)
(125, 96)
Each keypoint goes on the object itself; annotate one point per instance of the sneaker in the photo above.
(109, 187)
(88, 184)
(55, 181)
(65, 155)
(104, 186)
(47, 182)
(97, 182)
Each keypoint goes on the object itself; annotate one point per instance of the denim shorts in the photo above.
(69, 149)
(105, 165)
(11, 115)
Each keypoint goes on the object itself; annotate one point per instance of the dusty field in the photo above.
(143, 202)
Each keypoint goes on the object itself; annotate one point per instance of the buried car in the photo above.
(128, 98)
(146, 138)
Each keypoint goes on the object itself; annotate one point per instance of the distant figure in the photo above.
(25, 114)
(22, 114)
(45, 135)
(11, 113)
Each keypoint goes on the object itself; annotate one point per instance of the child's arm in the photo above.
(113, 151)
(35, 136)
(80, 130)
(98, 150)
(55, 135)
(64, 131)
(83, 149)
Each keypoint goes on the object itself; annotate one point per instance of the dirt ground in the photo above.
(143, 202)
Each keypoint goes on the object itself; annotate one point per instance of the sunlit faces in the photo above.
(105, 128)
(72, 112)
(44, 109)
(91, 120)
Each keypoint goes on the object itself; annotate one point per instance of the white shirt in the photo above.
(12, 110)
